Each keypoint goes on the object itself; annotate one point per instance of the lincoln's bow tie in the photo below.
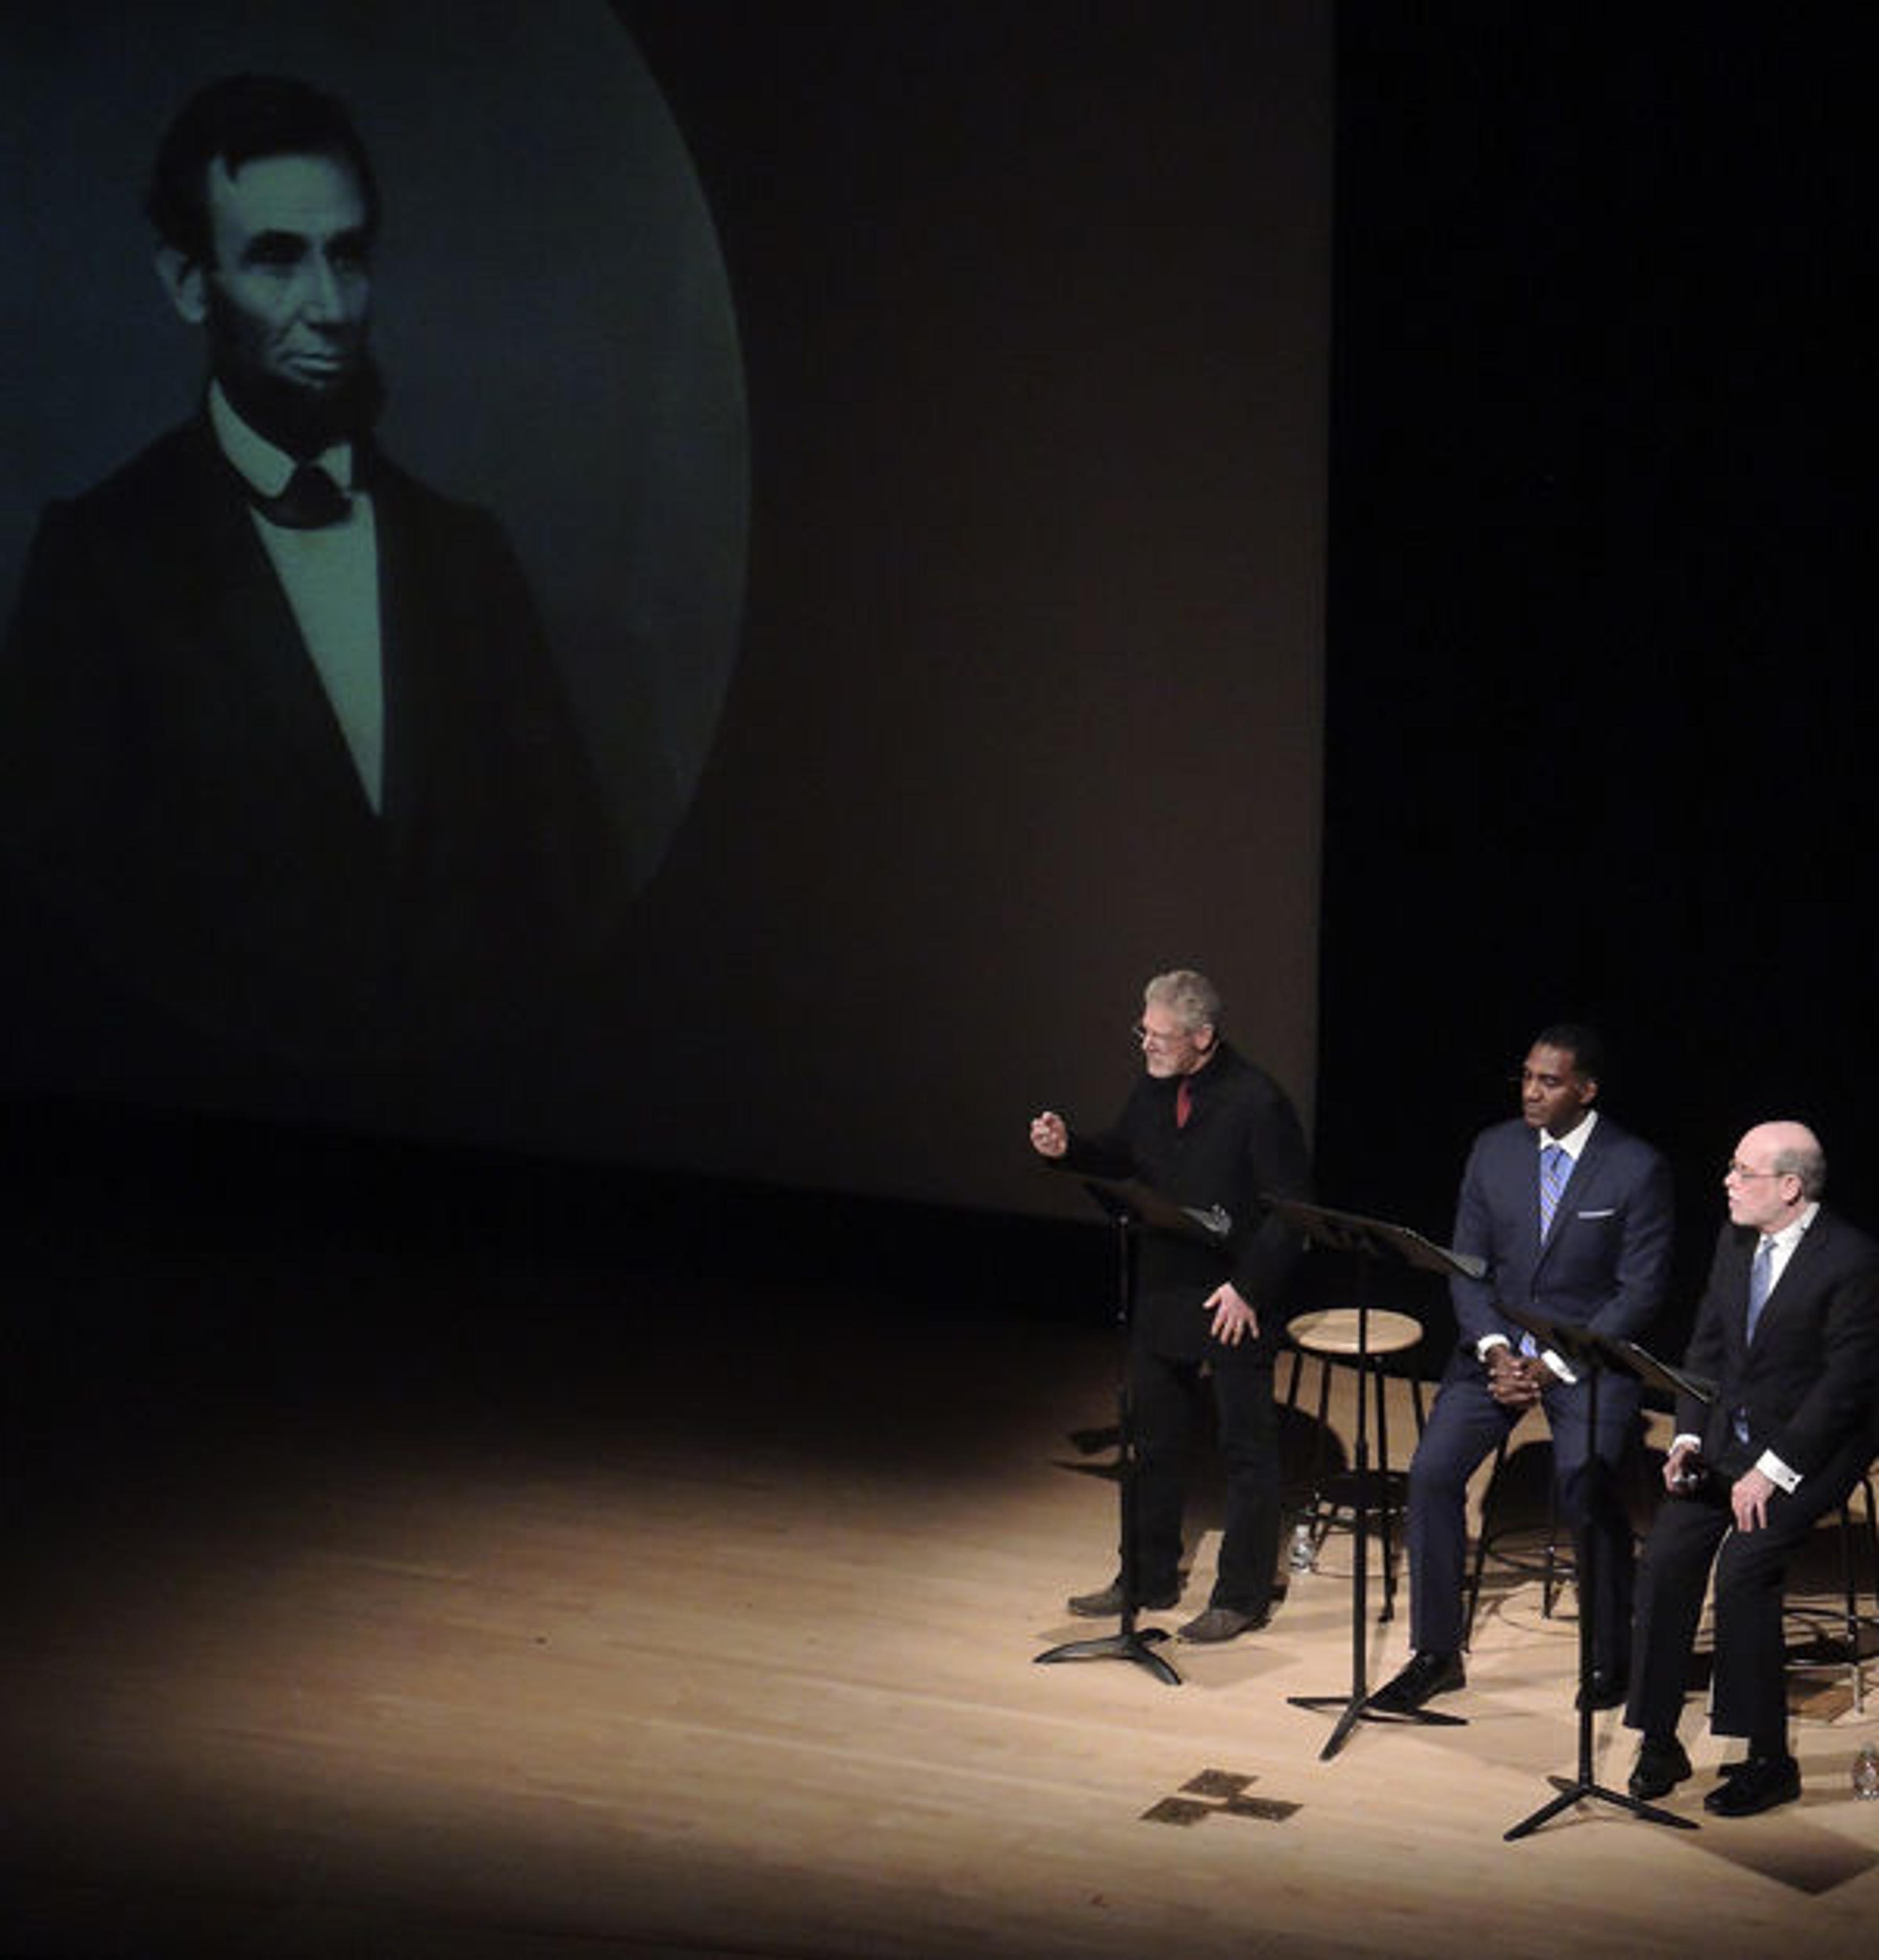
(310, 502)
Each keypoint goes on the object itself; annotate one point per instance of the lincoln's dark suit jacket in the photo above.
(1809, 1381)
(1605, 1261)
(184, 834)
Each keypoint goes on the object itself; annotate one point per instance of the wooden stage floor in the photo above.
(725, 1646)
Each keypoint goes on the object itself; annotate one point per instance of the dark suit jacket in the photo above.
(1605, 1262)
(1242, 1143)
(1810, 1379)
(184, 833)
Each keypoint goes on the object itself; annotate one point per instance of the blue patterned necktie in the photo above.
(1761, 1277)
(1555, 1168)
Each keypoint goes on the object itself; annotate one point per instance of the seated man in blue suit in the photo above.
(1572, 1216)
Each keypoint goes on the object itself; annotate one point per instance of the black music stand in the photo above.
(1373, 1239)
(1592, 1355)
(1131, 1206)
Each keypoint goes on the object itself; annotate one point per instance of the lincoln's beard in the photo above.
(301, 420)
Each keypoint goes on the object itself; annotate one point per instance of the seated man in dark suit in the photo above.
(285, 766)
(1572, 1216)
(1787, 1331)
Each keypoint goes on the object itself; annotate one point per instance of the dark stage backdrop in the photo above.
(950, 383)
(1601, 694)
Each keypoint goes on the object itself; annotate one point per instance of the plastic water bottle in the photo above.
(1866, 1770)
(1304, 1553)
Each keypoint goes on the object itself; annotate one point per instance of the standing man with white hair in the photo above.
(1206, 1127)
(1788, 1330)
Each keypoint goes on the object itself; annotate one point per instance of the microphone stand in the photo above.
(1373, 1240)
(1592, 1354)
(1132, 1205)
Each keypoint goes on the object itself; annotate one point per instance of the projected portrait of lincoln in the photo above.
(291, 762)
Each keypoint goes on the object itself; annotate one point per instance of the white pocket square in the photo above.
(1610, 1211)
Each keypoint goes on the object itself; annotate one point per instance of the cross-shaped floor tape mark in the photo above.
(1217, 1793)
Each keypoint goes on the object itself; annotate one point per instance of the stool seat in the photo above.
(1333, 1330)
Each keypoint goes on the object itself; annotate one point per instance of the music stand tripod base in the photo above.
(1356, 1710)
(1574, 1791)
(1128, 1643)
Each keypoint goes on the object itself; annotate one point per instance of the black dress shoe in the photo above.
(1758, 1784)
(1427, 1674)
(1606, 1688)
(1661, 1767)
(1107, 1605)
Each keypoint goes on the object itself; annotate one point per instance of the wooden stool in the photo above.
(1330, 1336)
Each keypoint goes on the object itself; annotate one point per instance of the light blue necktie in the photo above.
(1761, 1277)
(1555, 1168)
